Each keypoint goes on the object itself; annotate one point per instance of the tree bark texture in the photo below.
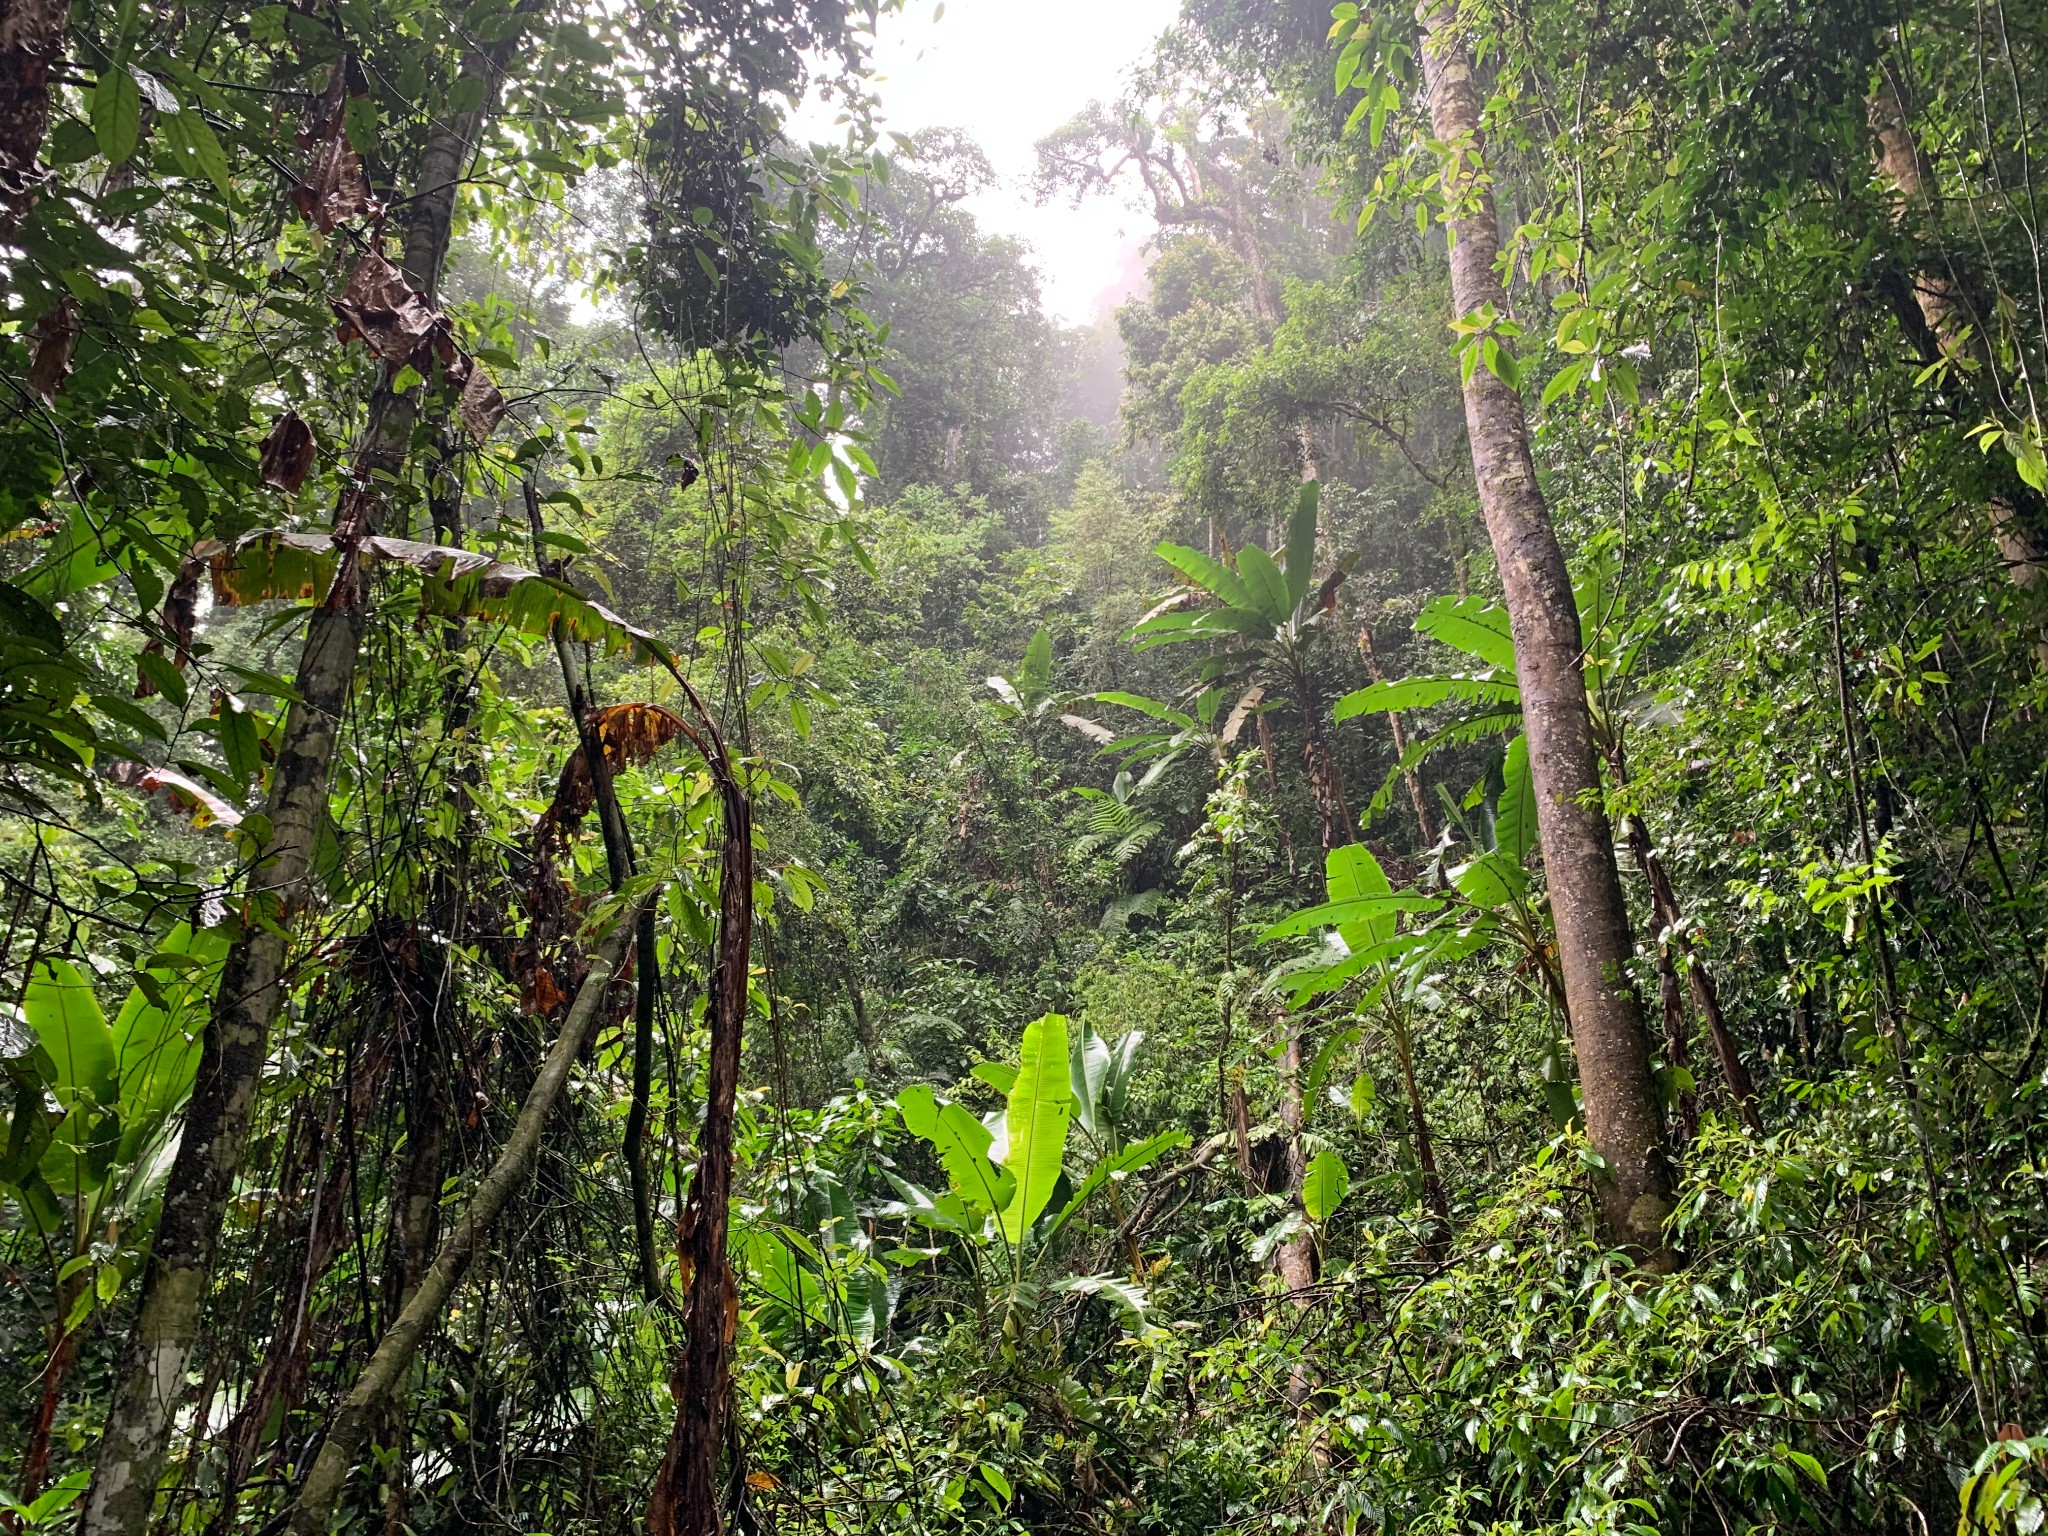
(313, 1512)
(684, 1501)
(1949, 315)
(150, 1378)
(1623, 1118)
(31, 38)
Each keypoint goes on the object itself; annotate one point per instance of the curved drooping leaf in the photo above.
(1131, 1297)
(1212, 576)
(1041, 1103)
(271, 563)
(1422, 692)
(1268, 587)
(1132, 1159)
(1301, 544)
(1324, 1187)
(1458, 733)
(996, 1074)
(962, 1143)
(1472, 625)
(1145, 706)
(1334, 914)
(1514, 823)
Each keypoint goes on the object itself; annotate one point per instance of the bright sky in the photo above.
(1009, 73)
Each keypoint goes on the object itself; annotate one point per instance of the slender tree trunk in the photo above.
(1594, 943)
(1296, 1260)
(1950, 319)
(31, 38)
(313, 1512)
(35, 1458)
(1409, 776)
(684, 1501)
(150, 1379)
(1438, 1237)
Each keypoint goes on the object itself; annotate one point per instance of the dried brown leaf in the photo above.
(335, 187)
(181, 614)
(628, 734)
(50, 346)
(393, 320)
(481, 406)
(1100, 734)
(288, 454)
(1251, 700)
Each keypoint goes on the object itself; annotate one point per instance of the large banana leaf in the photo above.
(1268, 587)
(962, 1143)
(1212, 576)
(1335, 914)
(73, 1032)
(1514, 822)
(1301, 545)
(1324, 1187)
(1087, 1075)
(1041, 1104)
(1422, 692)
(156, 1049)
(1471, 625)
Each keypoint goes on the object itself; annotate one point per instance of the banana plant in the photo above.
(1263, 615)
(1010, 1192)
(94, 1126)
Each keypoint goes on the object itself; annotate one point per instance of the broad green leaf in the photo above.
(1301, 545)
(196, 147)
(1040, 1106)
(1213, 577)
(1326, 1058)
(1268, 587)
(1422, 692)
(66, 1017)
(962, 1143)
(1116, 1086)
(1324, 1186)
(1087, 1072)
(1352, 874)
(776, 1271)
(1489, 881)
(1145, 706)
(998, 1076)
(1471, 625)
(1130, 1297)
(1514, 824)
(1034, 677)
(1334, 914)
(156, 1050)
(117, 114)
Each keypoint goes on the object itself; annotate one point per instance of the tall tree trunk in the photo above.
(312, 1513)
(1594, 943)
(150, 1378)
(1957, 332)
(684, 1501)
(31, 38)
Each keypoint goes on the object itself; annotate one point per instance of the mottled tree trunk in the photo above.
(150, 1379)
(1594, 943)
(31, 38)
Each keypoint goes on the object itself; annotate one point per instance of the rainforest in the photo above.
(1247, 766)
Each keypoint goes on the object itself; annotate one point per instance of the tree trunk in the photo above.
(1409, 776)
(1594, 944)
(684, 1501)
(1438, 1238)
(31, 38)
(150, 1378)
(1296, 1260)
(313, 1512)
(1949, 316)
